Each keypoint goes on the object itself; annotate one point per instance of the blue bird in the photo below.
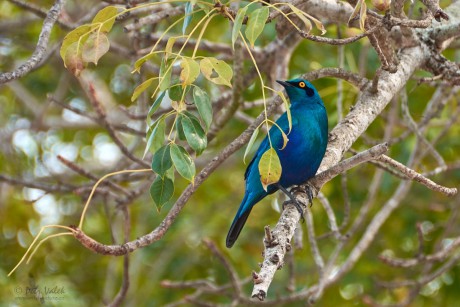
(301, 157)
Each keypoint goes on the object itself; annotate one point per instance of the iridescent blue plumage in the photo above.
(301, 157)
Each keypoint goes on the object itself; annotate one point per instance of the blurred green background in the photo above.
(30, 143)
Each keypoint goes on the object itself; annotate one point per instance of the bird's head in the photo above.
(301, 91)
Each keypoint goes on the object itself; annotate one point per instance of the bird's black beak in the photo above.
(284, 83)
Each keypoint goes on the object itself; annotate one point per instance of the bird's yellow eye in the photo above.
(302, 84)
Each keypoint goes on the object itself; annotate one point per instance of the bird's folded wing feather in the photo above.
(276, 138)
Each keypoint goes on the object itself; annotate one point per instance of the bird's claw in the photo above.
(293, 201)
(300, 209)
(307, 189)
(310, 195)
(297, 205)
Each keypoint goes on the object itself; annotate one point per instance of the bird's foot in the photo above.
(309, 194)
(307, 189)
(294, 201)
(299, 208)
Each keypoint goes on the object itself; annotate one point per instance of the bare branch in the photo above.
(373, 153)
(436, 257)
(413, 175)
(41, 47)
(154, 18)
(338, 41)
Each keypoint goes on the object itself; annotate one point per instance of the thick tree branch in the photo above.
(370, 104)
(274, 253)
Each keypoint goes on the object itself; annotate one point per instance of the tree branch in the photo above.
(41, 47)
(370, 104)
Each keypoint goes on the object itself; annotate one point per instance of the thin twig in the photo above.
(413, 175)
(338, 41)
(228, 267)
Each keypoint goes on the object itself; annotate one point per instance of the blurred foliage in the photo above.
(29, 148)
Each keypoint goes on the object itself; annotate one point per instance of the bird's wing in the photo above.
(276, 138)
(262, 148)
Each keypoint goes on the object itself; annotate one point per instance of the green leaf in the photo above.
(175, 92)
(216, 71)
(188, 15)
(170, 173)
(95, 47)
(203, 104)
(155, 136)
(251, 143)
(156, 104)
(141, 88)
(191, 115)
(106, 17)
(256, 23)
(194, 133)
(161, 191)
(165, 76)
(141, 61)
(179, 128)
(72, 59)
(183, 162)
(190, 71)
(269, 168)
(161, 160)
(237, 24)
(74, 36)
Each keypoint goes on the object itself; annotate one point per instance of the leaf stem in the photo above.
(93, 190)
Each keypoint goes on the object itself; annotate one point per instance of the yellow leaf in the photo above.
(74, 36)
(105, 18)
(141, 88)
(318, 23)
(95, 47)
(169, 46)
(306, 19)
(356, 12)
(288, 110)
(285, 139)
(301, 16)
(72, 59)
(269, 168)
(216, 71)
(190, 71)
(362, 16)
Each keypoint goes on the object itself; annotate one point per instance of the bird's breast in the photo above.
(301, 157)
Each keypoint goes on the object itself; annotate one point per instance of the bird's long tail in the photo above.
(237, 225)
(240, 219)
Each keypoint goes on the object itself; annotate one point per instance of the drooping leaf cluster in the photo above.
(190, 117)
